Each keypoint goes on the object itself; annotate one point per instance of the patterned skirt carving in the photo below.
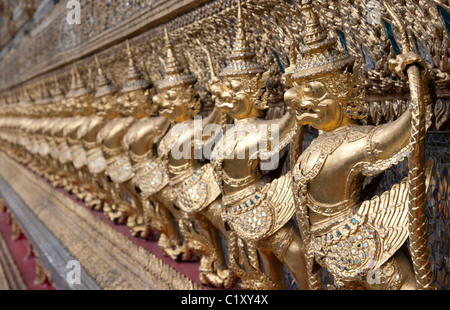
(196, 191)
(264, 212)
(120, 169)
(95, 161)
(151, 176)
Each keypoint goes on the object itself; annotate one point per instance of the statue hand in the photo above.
(402, 61)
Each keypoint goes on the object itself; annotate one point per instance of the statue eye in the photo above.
(314, 90)
(170, 95)
(308, 91)
(228, 85)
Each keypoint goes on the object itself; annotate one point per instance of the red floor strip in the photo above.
(19, 249)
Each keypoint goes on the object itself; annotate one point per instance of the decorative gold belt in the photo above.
(329, 210)
(238, 182)
(180, 173)
(237, 197)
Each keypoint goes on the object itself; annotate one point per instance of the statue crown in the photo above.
(242, 61)
(77, 88)
(134, 80)
(104, 85)
(174, 73)
(320, 57)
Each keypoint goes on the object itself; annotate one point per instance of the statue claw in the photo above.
(95, 204)
(141, 230)
(114, 214)
(220, 279)
(174, 249)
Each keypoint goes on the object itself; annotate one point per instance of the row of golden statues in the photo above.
(113, 149)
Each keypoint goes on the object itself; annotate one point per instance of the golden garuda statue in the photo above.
(258, 210)
(91, 163)
(132, 105)
(190, 186)
(357, 240)
(241, 190)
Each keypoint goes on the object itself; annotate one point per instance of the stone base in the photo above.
(61, 229)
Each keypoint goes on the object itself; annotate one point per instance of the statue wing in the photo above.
(387, 214)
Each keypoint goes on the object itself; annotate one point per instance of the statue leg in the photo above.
(140, 220)
(287, 246)
(112, 209)
(124, 207)
(212, 214)
(53, 176)
(85, 191)
(294, 256)
(102, 197)
(46, 168)
(406, 271)
(72, 184)
(272, 268)
(170, 240)
(58, 172)
(93, 199)
(204, 240)
(164, 219)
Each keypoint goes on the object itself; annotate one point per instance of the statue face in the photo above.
(59, 107)
(131, 103)
(47, 109)
(312, 105)
(69, 104)
(104, 106)
(230, 98)
(82, 105)
(173, 103)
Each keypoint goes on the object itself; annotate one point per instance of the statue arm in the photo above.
(94, 127)
(388, 139)
(286, 125)
(278, 136)
(214, 117)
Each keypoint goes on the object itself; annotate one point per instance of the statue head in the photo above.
(135, 95)
(178, 98)
(325, 82)
(104, 103)
(240, 91)
(79, 96)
